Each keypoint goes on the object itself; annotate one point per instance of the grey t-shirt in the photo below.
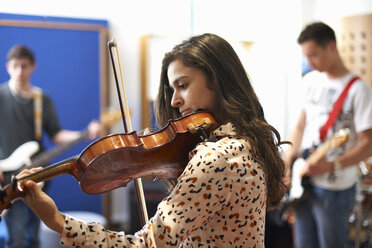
(17, 120)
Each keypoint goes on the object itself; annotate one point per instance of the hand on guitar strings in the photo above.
(95, 129)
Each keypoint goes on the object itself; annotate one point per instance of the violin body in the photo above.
(114, 160)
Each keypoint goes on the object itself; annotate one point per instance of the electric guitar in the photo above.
(298, 184)
(22, 158)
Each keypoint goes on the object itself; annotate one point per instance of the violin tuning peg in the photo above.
(191, 127)
(207, 123)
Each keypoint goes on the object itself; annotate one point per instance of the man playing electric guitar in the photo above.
(334, 99)
(25, 112)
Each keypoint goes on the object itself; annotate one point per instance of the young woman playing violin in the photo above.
(220, 199)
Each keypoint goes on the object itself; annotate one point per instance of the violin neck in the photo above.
(67, 166)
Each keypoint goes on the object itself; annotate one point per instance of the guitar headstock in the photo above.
(109, 118)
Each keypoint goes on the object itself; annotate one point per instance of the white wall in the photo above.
(272, 24)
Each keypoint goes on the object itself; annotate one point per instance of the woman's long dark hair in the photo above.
(237, 102)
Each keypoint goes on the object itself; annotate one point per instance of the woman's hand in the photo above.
(41, 204)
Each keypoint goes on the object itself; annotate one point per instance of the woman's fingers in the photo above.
(27, 172)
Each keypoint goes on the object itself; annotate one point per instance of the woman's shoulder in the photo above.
(225, 144)
(225, 148)
(226, 139)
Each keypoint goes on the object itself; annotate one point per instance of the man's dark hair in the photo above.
(21, 52)
(319, 32)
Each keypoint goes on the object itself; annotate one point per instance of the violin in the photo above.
(114, 160)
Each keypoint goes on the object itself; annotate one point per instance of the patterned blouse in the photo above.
(219, 201)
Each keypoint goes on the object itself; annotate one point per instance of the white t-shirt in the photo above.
(356, 115)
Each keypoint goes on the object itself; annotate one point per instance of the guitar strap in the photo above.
(337, 106)
(38, 111)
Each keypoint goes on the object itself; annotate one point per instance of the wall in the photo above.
(273, 25)
(61, 80)
(132, 19)
(330, 12)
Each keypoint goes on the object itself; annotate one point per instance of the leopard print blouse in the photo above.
(219, 201)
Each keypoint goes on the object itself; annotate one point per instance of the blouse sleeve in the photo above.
(202, 190)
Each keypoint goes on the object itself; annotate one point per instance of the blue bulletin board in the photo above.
(71, 63)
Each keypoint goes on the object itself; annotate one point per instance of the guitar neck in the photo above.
(44, 158)
(320, 152)
(337, 140)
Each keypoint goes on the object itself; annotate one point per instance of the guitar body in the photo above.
(18, 160)
(20, 157)
(299, 183)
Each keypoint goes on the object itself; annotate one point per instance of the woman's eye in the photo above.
(182, 86)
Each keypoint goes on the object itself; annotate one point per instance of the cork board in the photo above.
(355, 45)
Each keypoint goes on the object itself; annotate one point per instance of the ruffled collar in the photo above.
(224, 130)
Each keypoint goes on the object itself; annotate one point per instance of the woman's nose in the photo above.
(176, 101)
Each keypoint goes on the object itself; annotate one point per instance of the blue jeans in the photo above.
(22, 225)
(322, 218)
